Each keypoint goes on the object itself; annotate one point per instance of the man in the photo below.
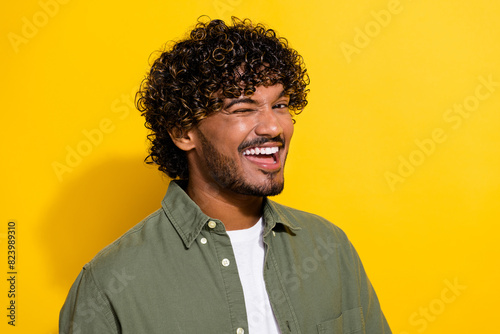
(219, 256)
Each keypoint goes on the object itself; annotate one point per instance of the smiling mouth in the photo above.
(266, 158)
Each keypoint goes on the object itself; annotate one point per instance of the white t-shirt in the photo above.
(248, 248)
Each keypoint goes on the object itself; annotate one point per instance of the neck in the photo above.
(236, 211)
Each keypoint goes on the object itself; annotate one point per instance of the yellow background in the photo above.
(77, 71)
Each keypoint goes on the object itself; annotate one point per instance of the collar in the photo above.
(188, 219)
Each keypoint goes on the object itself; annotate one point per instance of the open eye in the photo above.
(281, 106)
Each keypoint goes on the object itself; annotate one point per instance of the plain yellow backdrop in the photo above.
(399, 145)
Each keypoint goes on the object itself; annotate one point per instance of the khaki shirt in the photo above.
(175, 272)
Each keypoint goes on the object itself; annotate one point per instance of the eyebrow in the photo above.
(248, 100)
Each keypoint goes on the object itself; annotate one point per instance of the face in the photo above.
(243, 147)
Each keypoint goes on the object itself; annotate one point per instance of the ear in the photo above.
(183, 139)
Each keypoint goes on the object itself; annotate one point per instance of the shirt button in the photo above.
(225, 262)
(240, 331)
(203, 240)
(212, 224)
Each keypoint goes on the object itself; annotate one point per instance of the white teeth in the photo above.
(262, 150)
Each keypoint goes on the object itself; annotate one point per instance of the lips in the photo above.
(266, 158)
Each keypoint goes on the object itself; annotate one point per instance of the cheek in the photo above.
(225, 135)
(239, 129)
(288, 128)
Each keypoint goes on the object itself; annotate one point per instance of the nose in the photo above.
(269, 123)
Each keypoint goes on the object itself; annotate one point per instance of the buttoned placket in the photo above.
(229, 273)
(278, 295)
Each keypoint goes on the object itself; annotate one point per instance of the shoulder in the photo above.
(131, 248)
(315, 235)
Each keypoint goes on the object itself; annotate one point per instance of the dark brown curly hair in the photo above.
(189, 81)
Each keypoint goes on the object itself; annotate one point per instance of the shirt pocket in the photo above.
(349, 322)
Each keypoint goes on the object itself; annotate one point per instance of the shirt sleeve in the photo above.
(374, 319)
(86, 309)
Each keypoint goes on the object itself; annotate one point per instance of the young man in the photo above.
(219, 256)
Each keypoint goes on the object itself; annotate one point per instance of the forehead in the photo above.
(262, 94)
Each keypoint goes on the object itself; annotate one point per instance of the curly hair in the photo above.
(189, 81)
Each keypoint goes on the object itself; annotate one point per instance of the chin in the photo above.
(269, 187)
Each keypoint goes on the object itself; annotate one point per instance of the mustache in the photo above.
(259, 141)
